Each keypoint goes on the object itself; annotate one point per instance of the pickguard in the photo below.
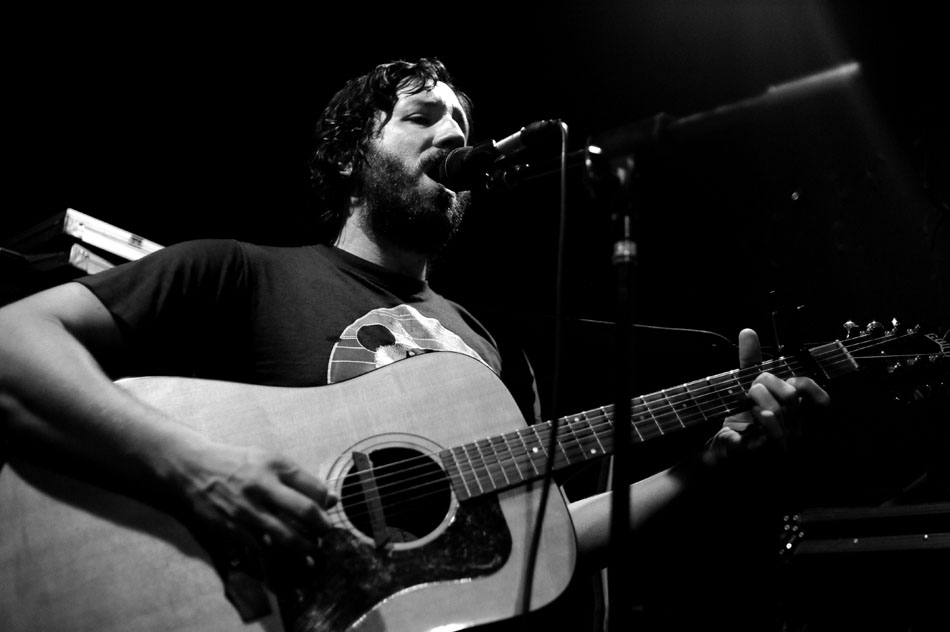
(351, 575)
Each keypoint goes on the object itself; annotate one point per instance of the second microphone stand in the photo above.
(613, 182)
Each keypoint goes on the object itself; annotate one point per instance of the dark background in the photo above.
(177, 123)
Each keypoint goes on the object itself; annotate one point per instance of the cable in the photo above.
(546, 480)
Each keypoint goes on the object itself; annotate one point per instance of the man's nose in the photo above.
(449, 135)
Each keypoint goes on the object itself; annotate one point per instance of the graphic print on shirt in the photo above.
(384, 336)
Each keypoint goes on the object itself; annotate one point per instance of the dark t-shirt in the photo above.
(285, 316)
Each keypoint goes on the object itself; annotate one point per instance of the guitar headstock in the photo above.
(913, 363)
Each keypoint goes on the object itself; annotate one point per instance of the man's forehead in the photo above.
(438, 95)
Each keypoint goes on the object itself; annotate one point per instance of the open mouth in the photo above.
(432, 166)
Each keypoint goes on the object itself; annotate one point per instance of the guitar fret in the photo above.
(594, 431)
(680, 402)
(461, 471)
(574, 449)
(559, 443)
(474, 479)
(543, 431)
(698, 393)
(730, 392)
(664, 415)
(509, 462)
(489, 461)
(503, 462)
(740, 391)
(516, 458)
(525, 451)
(586, 438)
(786, 371)
(450, 465)
(522, 460)
(476, 462)
(493, 464)
(535, 449)
(780, 368)
(641, 415)
(716, 389)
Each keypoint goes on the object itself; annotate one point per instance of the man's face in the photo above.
(405, 206)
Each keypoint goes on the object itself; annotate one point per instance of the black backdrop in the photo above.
(176, 123)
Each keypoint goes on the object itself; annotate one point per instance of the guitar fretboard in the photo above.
(496, 463)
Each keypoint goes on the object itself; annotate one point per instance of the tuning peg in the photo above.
(873, 327)
(849, 327)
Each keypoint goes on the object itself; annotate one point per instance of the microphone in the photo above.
(467, 168)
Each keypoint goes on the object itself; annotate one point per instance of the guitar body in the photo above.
(76, 557)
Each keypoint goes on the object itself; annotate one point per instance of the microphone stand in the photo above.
(613, 182)
(613, 164)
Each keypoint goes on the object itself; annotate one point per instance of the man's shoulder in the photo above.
(255, 254)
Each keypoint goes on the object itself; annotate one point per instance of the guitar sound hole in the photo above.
(413, 495)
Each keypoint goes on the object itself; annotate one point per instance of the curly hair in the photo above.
(348, 123)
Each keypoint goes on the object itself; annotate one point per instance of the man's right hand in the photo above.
(253, 496)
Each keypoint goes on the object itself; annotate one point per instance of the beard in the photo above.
(401, 212)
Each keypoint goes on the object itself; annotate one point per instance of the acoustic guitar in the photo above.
(440, 481)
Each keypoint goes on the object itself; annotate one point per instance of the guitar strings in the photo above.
(655, 420)
(598, 426)
(571, 428)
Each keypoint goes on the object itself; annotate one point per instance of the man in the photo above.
(296, 317)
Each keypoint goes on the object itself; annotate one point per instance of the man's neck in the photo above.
(355, 240)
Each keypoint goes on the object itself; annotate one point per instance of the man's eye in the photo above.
(421, 119)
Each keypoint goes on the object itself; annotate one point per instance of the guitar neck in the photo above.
(496, 463)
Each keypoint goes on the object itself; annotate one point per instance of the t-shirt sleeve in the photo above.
(175, 307)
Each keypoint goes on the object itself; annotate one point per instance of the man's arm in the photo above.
(774, 420)
(55, 397)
